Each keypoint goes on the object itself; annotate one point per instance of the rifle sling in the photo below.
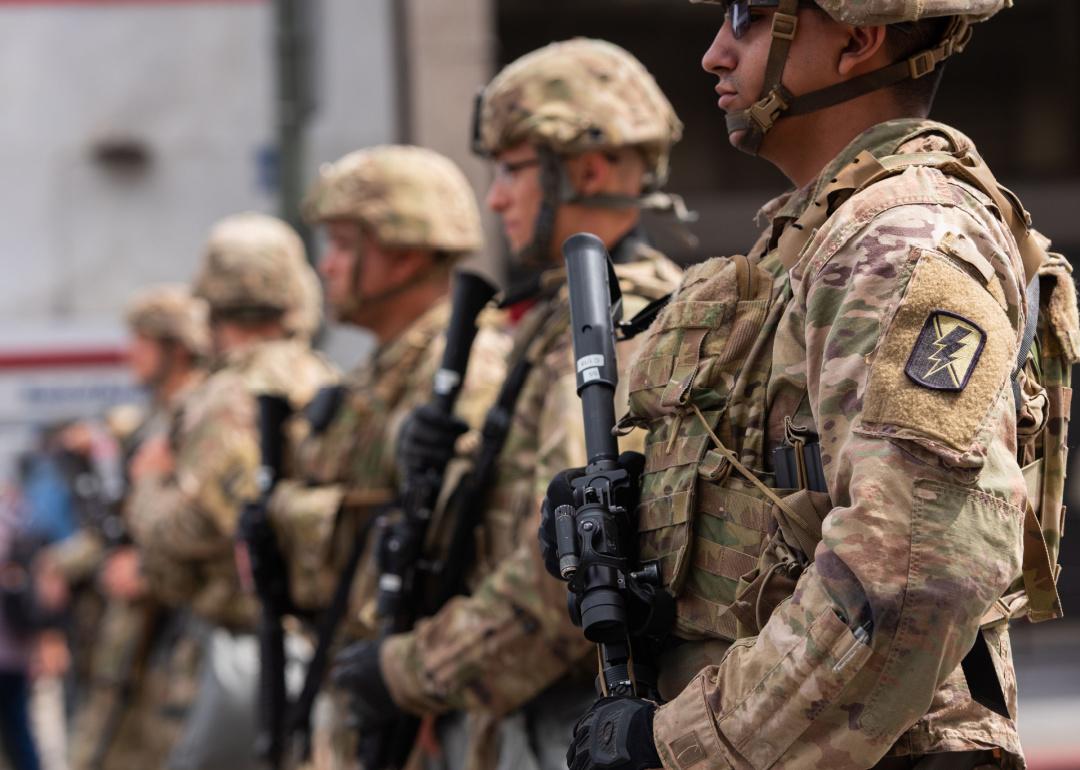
(299, 720)
(533, 339)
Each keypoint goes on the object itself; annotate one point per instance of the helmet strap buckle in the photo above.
(784, 26)
(922, 64)
(765, 112)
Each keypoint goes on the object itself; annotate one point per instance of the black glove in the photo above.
(615, 734)
(356, 670)
(426, 441)
(561, 492)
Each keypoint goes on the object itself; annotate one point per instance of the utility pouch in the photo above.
(795, 531)
(699, 352)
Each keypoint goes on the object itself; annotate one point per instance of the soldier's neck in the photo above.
(396, 316)
(174, 382)
(803, 145)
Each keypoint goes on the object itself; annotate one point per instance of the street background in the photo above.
(130, 126)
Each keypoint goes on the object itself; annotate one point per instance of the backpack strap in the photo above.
(865, 170)
(1039, 598)
(1031, 324)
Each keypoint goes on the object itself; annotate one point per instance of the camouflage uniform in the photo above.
(184, 521)
(882, 309)
(345, 472)
(509, 647)
(143, 662)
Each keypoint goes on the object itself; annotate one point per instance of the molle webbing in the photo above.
(866, 170)
(1037, 597)
(701, 370)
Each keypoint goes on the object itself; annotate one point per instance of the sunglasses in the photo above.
(741, 13)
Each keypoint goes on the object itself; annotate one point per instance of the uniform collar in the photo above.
(417, 336)
(880, 140)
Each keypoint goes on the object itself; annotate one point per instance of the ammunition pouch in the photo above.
(704, 525)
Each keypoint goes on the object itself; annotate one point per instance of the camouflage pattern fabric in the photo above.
(255, 263)
(493, 651)
(579, 95)
(184, 522)
(145, 674)
(924, 530)
(170, 312)
(143, 663)
(345, 473)
(874, 12)
(407, 197)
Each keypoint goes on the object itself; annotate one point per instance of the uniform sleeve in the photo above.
(908, 351)
(191, 514)
(470, 655)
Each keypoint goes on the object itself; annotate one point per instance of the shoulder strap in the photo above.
(866, 170)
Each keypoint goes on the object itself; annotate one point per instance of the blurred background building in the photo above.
(131, 125)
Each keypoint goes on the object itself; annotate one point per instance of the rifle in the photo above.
(270, 574)
(616, 601)
(403, 574)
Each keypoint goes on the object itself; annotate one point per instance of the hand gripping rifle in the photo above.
(616, 601)
(270, 574)
(403, 573)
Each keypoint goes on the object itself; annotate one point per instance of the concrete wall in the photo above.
(190, 86)
(450, 54)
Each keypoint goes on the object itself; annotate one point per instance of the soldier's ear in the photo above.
(592, 172)
(865, 51)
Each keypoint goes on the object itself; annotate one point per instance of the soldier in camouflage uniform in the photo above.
(835, 483)
(397, 219)
(579, 135)
(131, 715)
(189, 485)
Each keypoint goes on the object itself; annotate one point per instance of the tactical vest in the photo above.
(543, 340)
(730, 545)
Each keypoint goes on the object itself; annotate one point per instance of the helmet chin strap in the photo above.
(363, 303)
(557, 191)
(777, 101)
(537, 252)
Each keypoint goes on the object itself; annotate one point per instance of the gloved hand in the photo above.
(426, 441)
(356, 670)
(615, 734)
(561, 492)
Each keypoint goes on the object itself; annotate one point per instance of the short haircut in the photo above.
(905, 39)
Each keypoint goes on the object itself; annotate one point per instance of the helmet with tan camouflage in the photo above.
(170, 313)
(407, 197)
(255, 267)
(864, 13)
(776, 101)
(575, 96)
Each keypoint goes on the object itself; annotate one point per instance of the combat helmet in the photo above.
(776, 101)
(572, 97)
(169, 313)
(255, 267)
(406, 197)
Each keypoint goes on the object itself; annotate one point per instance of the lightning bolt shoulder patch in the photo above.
(946, 352)
(942, 363)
